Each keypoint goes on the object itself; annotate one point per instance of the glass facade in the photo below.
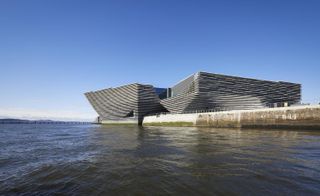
(161, 92)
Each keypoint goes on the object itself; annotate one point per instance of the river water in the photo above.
(131, 160)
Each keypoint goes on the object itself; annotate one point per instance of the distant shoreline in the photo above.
(20, 121)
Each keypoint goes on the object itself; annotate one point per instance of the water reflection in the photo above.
(122, 160)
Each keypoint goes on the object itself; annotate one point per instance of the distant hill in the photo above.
(19, 121)
(13, 121)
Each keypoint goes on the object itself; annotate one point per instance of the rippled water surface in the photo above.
(129, 160)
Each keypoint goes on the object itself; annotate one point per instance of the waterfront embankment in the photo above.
(286, 117)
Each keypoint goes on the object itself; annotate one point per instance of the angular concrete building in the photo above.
(200, 91)
(126, 104)
(206, 91)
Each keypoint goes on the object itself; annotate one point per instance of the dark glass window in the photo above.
(161, 92)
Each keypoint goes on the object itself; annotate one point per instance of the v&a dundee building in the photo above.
(199, 92)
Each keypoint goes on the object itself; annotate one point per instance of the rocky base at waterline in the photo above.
(307, 117)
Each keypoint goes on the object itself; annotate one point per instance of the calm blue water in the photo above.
(120, 160)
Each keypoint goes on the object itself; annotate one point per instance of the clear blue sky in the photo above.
(52, 51)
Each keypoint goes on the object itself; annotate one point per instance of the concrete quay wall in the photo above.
(285, 117)
(120, 122)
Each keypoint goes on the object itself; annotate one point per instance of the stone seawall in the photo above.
(286, 117)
